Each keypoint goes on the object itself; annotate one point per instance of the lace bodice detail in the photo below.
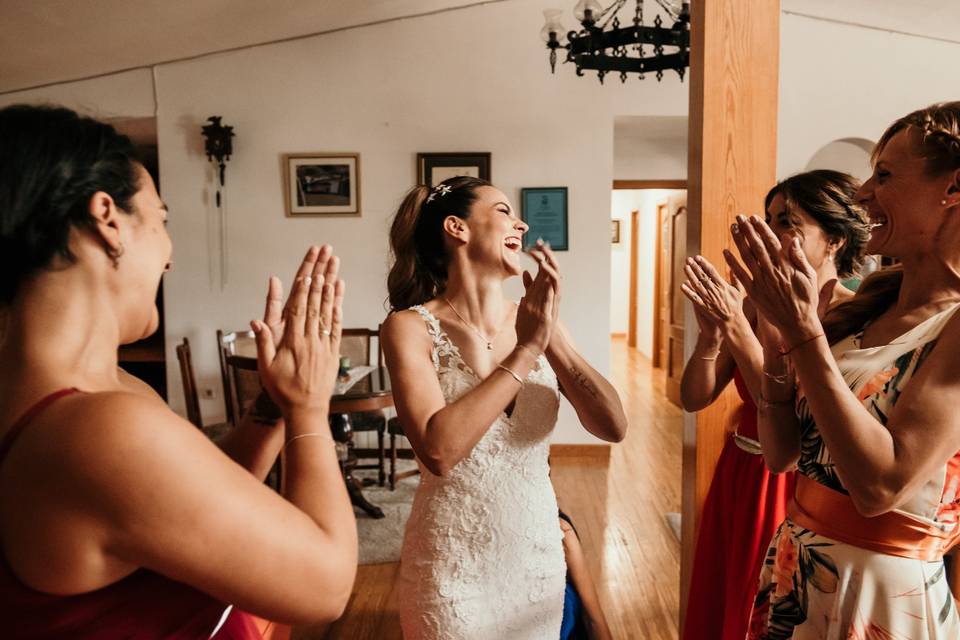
(482, 555)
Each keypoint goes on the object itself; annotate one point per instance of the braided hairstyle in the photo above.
(939, 129)
(52, 161)
(419, 269)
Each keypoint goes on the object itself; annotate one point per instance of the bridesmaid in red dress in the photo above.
(746, 502)
(118, 518)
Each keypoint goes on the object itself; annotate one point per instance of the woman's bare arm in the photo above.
(594, 399)
(597, 627)
(442, 434)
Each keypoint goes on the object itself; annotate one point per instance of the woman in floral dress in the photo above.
(746, 502)
(865, 405)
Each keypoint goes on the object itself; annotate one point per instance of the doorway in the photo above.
(649, 245)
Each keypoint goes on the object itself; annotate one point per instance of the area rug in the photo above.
(381, 538)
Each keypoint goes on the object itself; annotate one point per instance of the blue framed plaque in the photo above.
(544, 209)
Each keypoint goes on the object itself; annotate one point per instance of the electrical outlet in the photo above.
(208, 393)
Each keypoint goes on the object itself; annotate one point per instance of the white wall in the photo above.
(650, 148)
(476, 79)
(844, 81)
(850, 155)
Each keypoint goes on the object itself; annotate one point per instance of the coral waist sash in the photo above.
(832, 514)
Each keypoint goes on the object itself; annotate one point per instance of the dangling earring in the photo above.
(115, 255)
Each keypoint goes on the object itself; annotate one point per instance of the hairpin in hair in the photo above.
(439, 190)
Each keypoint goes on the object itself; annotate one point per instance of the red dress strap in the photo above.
(28, 416)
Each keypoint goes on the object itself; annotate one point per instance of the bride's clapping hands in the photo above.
(537, 313)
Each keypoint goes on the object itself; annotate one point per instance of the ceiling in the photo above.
(930, 18)
(49, 41)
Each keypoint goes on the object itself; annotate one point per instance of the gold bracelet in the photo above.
(310, 435)
(713, 357)
(511, 372)
(779, 379)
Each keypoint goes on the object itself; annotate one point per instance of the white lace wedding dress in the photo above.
(482, 557)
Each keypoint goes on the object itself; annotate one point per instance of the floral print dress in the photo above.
(816, 588)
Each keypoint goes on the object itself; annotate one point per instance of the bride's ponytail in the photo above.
(408, 285)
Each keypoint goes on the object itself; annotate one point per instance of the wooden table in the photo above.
(372, 392)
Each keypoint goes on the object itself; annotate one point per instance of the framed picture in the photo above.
(544, 209)
(322, 184)
(615, 231)
(434, 168)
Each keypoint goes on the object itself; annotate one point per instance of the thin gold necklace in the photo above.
(486, 340)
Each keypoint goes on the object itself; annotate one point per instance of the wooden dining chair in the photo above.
(357, 344)
(190, 395)
(229, 344)
(243, 381)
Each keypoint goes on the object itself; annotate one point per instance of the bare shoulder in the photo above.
(404, 328)
(101, 434)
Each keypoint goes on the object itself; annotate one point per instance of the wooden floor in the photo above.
(619, 512)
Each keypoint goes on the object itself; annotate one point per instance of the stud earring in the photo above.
(943, 202)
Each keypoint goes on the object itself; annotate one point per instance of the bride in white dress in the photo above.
(475, 381)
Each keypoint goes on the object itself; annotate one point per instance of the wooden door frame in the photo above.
(649, 184)
(663, 210)
(632, 300)
(732, 158)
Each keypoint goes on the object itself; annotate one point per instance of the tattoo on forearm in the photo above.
(584, 382)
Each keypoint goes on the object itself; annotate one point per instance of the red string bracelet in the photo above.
(799, 344)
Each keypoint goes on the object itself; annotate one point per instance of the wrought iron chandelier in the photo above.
(604, 45)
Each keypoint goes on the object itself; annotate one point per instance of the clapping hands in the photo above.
(298, 343)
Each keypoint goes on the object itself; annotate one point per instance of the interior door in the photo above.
(632, 291)
(678, 254)
(662, 288)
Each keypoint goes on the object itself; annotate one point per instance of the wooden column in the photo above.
(734, 70)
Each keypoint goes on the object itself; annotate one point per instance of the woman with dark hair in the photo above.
(475, 380)
(747, 502)
(118, 519)
(864, 403)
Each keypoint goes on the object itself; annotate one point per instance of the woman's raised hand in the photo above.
(778, 279)
(717, 304)
(298, 343)
(540, 305)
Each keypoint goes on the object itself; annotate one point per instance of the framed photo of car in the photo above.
(434, 168)
(322, 184)
(544, 209)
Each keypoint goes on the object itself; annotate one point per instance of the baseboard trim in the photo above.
(593, 451)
